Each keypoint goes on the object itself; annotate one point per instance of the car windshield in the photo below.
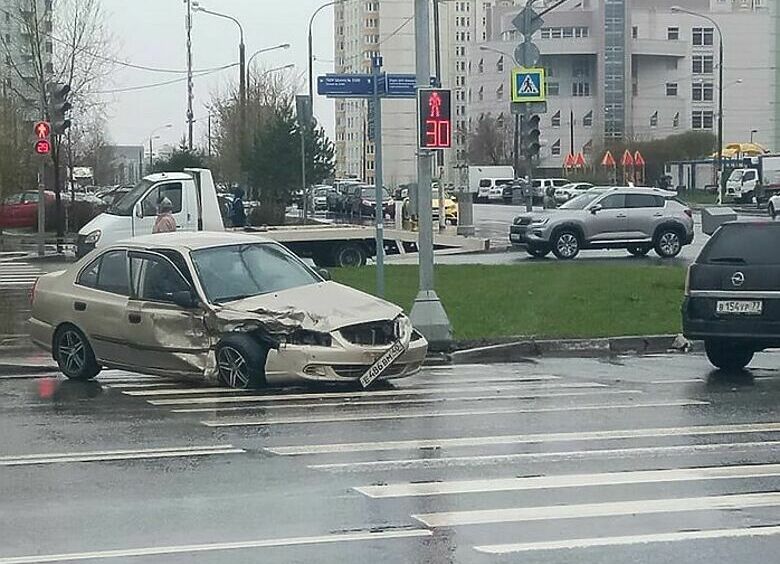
(321, 192)
(745, 243)
(241, 271)
(124, 206)
(370, 194)
(581, 202)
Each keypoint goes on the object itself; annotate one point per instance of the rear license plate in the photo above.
(383, 363)
(740, 307)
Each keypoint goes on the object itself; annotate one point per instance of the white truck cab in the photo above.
(195, 208)
(741, 184)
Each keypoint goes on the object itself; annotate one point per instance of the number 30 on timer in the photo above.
(437, 133)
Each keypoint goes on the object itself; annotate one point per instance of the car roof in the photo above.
(638, 190)
(189, 241)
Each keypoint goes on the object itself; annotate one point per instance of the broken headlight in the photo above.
(310, 338)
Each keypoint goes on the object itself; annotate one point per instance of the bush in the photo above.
(266, 215)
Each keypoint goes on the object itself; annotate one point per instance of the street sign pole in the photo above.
(376, 67)
(427, 314)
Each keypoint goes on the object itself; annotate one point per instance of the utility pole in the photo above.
(571, 131)
(190, 96)
(379, 210)
(427, 314)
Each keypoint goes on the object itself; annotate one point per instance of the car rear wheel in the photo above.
(668, 243)
(566, 245)
(639, 250)
(538, 252)
(349, 255)
(728, 356)
(241, 362)
(74, 354)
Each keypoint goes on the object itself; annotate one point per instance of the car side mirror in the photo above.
(595, 209)
(139, 211)
(325, 273)
(185, 299)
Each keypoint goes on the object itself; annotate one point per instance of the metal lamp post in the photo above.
(266, 50)
(152, 136)
(720, 93)
(311, 48)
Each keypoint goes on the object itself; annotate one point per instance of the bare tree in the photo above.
(489, 143)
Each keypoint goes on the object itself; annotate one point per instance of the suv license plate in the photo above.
(741, 307)
(383, 363)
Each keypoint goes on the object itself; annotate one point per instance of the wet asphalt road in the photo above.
(564, 460)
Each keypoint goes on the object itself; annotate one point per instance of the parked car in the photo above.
(496, 192)
(488, 186)
(21, 210)
(361, 200)
(570, 191)
(774, 206)
(731, 293)
(226, 307)
(320, 197)
(636, 219)
(540, 186)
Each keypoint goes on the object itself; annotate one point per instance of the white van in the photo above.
(492, 189)
(540, 185)
(195, 208)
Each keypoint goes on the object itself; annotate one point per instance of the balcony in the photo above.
(659, 48)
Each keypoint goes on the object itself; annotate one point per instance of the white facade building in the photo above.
(631, 69)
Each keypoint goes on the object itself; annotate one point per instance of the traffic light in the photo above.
(531, 134)
(434, 118)
(60, 107)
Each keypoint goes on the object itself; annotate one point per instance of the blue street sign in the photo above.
(346, 85)
(401, 86)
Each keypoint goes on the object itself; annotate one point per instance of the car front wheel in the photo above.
(74, 354)
(241, 362)
(728, 356)
(668, 243)
(639, 250)
(566, 245)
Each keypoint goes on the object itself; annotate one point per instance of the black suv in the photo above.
(732, 296)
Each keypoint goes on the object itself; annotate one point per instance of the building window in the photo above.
(587, 120)
(481, 66)
(654, 120)
(500, 64)
(587, 148)
(703, 91)
(580, 89)
(580, 69)
(556, 119)
(671, 89)
(553, 89)
(702, 64)
(635, 32)
(556, 149)
(500, 92)
(703, 36)
(481, 94)
(673, 33)
(676, 120)
(702, 119)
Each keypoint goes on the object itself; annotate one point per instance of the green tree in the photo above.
(320, 155)
(181, 158)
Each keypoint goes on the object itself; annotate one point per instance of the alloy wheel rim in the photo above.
(233, 368)
(567, 245)
(72, 352)
(670, 243)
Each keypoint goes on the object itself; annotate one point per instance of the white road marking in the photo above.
(484, 460)
(570, 481)
(213, 547)
(524, 439)
(428, 380)
(107, 455)
(569, 544)
(677, 381)
(391, 416)
(139, 386)
(185, 391)
(408, 401)
(591, 510)
(377, 393)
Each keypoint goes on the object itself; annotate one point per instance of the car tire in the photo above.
(74, 354)
(241, 362)
(728, 356)
(566, 244)
(668, 243)
(772, 210)
(349, 255)
(639, 250)
(537, 251)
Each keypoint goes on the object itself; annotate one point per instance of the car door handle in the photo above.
(621, 215)
(134, 318)
(79, 306)
(658, 215)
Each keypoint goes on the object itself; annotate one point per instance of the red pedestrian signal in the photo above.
(42, 129)
(434, 118)
(43, 146)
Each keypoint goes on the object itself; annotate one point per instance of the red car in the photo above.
(21, 210)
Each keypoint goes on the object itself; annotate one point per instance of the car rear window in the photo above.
(743, 244)
(484, 183)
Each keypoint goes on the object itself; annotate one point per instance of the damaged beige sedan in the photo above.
(235, 309)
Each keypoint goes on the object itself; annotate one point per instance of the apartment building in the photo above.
(19, 78)
(636, 69)
(386, 27)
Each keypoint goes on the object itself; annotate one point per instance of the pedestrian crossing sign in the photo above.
(528, 85)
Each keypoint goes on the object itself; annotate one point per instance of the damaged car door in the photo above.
(166, 320)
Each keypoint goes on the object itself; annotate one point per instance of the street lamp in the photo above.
(752, 132)
(311, 54)
(197, 7)
(720, 92)
(152, 137)
(266, 50)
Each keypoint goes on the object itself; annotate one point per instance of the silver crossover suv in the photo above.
(636, 219)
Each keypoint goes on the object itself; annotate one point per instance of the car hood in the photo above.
(551, 214)
(324, 307)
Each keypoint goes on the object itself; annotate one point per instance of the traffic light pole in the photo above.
(379, 210)
(427, 314)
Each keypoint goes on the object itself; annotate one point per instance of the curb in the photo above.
(523, 351)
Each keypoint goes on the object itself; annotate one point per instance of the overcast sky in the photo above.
(151, 33)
